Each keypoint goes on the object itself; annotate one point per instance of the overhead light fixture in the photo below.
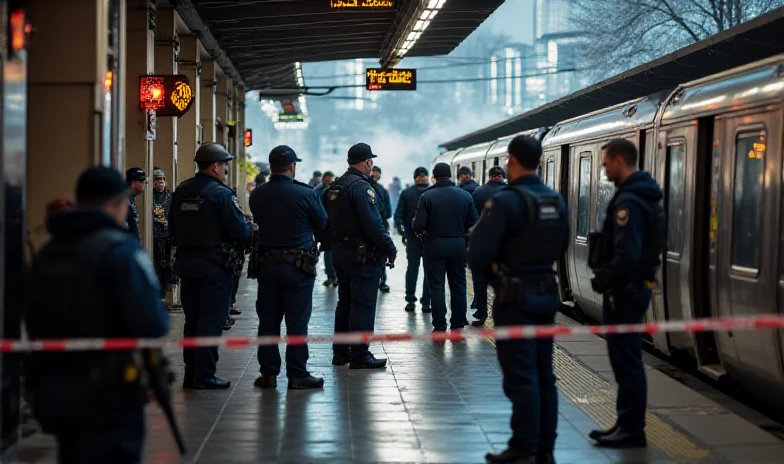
(423, 20)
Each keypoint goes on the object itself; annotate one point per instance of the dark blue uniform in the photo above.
(631, 234)
(355, 222)
(481, 196)
(527, 252)
(469, 186)
(329, 265)
(446, 213)
(404, 217)
(97, 282)
(385, 209)
(205, 221)
(133, 217)
(288, 213)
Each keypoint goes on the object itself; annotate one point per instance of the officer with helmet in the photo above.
(361, 246)
(206, 225)
(523, 231)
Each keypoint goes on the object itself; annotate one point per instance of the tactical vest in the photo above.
(197, 219)
(654, 235)
(343, 219)
(71, 303)
(542, 241)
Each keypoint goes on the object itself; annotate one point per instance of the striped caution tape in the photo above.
(499, 333)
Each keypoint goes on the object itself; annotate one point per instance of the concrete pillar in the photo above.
(66, 78)
(242, 179)
(208, 87)
(222, 108)
(140, 61)
(188, 136)
(165, 63)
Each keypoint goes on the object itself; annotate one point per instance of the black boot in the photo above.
(341, 359)
(211, 384)
(384, 287)
(509, 455)
(620, 438)
(367, 361)
(266, 381)
(596, 434)
(306, 383)
(411, 307)
(426, 309)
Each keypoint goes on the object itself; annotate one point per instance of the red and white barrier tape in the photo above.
(500, 333)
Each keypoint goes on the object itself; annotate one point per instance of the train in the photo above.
(714, 145)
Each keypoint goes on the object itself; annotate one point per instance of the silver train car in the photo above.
(715, 147)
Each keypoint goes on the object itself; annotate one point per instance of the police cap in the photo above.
(420, 171)
(98, 184)
(465, 170)
(442, 171)
(282, 155)
(211, 153)
(135, 173)
(359, 153)
(158, 172)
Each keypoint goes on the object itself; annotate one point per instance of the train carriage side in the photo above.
(497, 154)
(474, 158)
(572, 163)
(719, 140)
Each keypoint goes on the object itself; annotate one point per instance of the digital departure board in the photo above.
(168, 95)
(363, 4)
(390, 79)
(291, 117)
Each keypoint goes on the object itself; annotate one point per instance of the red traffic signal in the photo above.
(168, 95)
(248, 137)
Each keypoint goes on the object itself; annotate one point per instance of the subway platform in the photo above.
(435, 403)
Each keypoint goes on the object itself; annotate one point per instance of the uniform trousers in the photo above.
(445, 259)
(529, 381)
(413, 258)
(206, 295)
(625, 350)
(284, 292)
(357, 295)
(329, 265)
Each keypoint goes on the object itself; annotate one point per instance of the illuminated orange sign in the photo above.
(248, 137)
(390, 79)
(168, 95)
(363, 4)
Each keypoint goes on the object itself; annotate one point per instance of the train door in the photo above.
(583, 162)
(678, 169)
(745, 244)
(551, 175)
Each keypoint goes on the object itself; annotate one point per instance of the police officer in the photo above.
(161, 205)
(360, 247)
(517, 249)
(385, 208)
(404, 217)
(443, 216)
(625, 261)
(292, 213)
(206, 224)
(466, 178)
(329, 265)
(136, 179)
(481, 195)
(92, 280)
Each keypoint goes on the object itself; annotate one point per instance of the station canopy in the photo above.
(260, 41)
(751, 41)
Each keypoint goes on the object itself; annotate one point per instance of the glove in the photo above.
(601, 281)
(391, 262)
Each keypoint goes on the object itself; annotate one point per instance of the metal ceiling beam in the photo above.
(188, 13)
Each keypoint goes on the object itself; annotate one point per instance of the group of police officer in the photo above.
(92, 264)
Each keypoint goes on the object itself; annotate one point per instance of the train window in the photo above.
(550, 173)
(584, 194)
(747, 201)
(606, 191)
(675, 155)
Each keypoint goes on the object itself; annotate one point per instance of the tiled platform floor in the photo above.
(434, 403)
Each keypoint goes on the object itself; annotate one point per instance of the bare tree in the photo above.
(622, 34)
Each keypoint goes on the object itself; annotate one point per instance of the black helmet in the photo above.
(212, 152)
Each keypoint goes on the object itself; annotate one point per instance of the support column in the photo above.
(222, 98)
(208, 87)
(65, 100)
(188, 137)
(241, 177)
(165, 63)
(140, 61)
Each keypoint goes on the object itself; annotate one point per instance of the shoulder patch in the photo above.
(371, 196)
(622, 217)
(237, 203)
(141, 258)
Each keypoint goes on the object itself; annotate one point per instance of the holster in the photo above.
(304, 260)
(597, 255)
(512, 288)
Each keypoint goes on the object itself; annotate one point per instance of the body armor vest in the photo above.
(74, 305)
(343, 219)
(197, 220)
(541, 243)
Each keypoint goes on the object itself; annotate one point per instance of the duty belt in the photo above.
(303, 259)
(366, 251)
